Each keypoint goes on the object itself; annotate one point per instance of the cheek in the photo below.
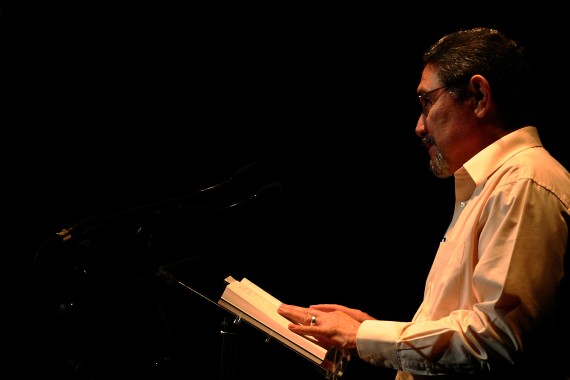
(443, 136)
(451, 134)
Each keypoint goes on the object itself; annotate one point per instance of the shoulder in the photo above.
(536, 167)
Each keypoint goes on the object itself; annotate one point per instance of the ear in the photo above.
(481, 95)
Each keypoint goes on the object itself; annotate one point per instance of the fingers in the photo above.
(334, 328)
(354, 313)
(327, 307)
(298, 314)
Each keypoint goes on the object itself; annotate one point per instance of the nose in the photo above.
(421, 130)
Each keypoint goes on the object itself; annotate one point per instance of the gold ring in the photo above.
(313, 320)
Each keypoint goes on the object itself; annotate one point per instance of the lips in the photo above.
(428, 142)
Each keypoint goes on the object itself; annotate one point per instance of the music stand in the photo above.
(198, 276)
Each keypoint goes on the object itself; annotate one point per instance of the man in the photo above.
(494, 294)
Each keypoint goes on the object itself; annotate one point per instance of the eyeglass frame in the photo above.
(422, 98)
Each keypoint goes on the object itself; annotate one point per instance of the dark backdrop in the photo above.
(127, 113)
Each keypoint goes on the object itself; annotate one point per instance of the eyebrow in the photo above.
(423, 90)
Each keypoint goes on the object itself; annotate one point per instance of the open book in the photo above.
(259, 308)
(250, 303)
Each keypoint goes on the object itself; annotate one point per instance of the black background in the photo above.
(115, 110)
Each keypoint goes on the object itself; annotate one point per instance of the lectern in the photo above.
(199, 277)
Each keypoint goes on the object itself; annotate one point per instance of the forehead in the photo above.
(429, 80)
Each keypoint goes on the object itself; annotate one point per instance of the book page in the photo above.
(250, 299)
(262, 292)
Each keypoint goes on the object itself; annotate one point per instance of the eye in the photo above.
(427, 103)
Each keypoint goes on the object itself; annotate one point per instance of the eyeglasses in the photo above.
(426, 101)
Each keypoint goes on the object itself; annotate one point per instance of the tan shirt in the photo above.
(495, 276)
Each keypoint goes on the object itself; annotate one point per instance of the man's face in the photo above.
(442, 125)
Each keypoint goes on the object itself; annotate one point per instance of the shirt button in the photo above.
(462, 204)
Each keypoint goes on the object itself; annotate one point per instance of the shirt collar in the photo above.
(479, 167)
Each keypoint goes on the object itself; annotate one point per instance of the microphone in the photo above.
(92, 223)
(264, 191)
(241, 172)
